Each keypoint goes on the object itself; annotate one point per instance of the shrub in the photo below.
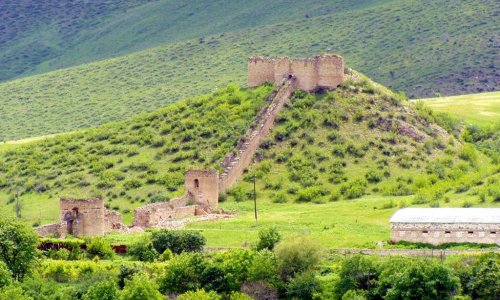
(468, 153)
(183, 273)
(166, 255)
(235, 264)
(177, 241)
(199, 295)
(143, 250)
(100, 247)
(264, 268)
(279, 197)
(374, 176)
(268, 238)
(105, 290)
(303, 286)
(140, 287)
(353, 189)
(309, 194)
(485, 276)
(132, 184)
(296, 255)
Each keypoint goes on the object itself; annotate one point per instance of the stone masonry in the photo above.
(318, 72)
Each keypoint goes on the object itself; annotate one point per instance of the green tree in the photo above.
(13, 292)
(268, 238)
(485, 280)
(18, 244)
(183, 273)
(143, 250)
(421, 279)
(140, 287)
(105, 290)
(5, 275)
(296, 255)
(177, 241)
(303, 286)
(356, 273)
(264, 267)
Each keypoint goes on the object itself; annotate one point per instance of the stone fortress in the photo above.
(89, 217)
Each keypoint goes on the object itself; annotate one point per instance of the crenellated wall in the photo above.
(318, 72)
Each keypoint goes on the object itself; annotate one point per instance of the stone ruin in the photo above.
(314, 73)
(90, 218)
(83, 217)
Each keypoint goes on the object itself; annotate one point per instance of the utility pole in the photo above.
(254, 197)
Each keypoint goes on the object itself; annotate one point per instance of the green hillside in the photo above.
(361, 139)
(75, 32)
(421, 47)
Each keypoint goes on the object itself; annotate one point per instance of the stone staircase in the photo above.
(236, 161)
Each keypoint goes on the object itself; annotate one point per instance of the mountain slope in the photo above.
(361, 138)
(38, 36)
(417, 46)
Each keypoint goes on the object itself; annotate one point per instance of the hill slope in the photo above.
(76, 32)
(419, 47)
(325, 147)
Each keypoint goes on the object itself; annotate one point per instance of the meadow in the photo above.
(480, 109)
(417, 47)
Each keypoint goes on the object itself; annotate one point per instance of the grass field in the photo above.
(420, 47)
(480, 109)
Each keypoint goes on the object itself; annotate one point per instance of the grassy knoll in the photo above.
(480, 109)
(421, 47)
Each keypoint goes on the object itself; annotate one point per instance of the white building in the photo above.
(446, 225)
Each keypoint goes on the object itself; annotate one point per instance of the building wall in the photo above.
(322, 71)
(112, 220)
(262, 71)
(203, 187)
(151, 214)
(90, 218)
(436, 234)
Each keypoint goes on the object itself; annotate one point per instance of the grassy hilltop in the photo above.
(421, 47)
(353, 155)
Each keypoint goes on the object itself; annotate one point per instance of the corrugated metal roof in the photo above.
(447, 215)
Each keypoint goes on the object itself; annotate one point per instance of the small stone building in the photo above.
(83, 217)
(446, 225)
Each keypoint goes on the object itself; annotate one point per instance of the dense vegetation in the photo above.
(421, 47)
(129, 163)
(293, 268)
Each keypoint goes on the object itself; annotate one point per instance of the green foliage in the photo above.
(235, 264)
(303, 286)
(353, 189)
(356, 273)
(5, 275)
(296, 255)
(105, 290)
(140, 287)
(143, 250)
(264, 268)
(199, 294)
(183, 273)
(484, 278)
(268, 238)
(18, 244)
(100, 247)
(177, 241)
(468, 153)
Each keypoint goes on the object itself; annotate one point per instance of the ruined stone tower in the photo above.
(318, 72)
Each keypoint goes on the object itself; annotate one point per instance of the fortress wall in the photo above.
(90, 221)
(50, 229)
(112, 220)
(202, 186)
(436, 234)
(306, 73)
(260, 70)
(330, 71)
(234, 167)
(281, 69)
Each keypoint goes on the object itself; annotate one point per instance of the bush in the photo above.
(177, 241)
(374, 176)
(309, 194)
(199, 295)
(235, 264)
(100, 247)
(105, 290)
(353, 189)
(268, 238)
(485, 277)
(279, 197)
(143, 250)
(140, 287)
(296, 255)
(303, 286)
(468, 153)
(264, 268)
(183, 273)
